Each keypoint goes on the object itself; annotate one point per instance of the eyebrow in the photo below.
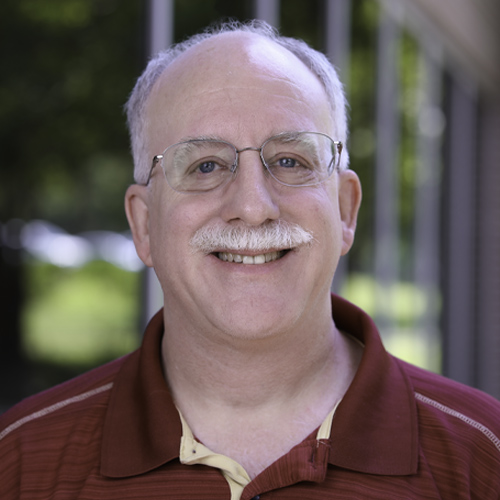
(201, 138)
(185, 147)
(299, 138)
(287, 135)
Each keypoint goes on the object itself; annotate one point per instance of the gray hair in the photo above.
(314, 60)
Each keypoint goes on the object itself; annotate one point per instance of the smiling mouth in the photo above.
(250, 259)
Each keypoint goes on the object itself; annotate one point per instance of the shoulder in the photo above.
(55, 432)
(458, 434)
(450, 410)
(83, 393)
(441, 392)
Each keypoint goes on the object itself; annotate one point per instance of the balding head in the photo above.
(247, 46)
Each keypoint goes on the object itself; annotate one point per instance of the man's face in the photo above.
(242, 89)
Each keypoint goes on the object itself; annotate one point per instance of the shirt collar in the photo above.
(374, 428)
(142, 429)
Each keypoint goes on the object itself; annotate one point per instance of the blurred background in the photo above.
(422, 78)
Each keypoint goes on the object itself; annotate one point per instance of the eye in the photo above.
(290, 161)
(287, 162)
(207, 167)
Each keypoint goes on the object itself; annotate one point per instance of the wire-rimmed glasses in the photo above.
(291, 158)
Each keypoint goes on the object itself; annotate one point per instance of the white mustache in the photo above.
(273, 235)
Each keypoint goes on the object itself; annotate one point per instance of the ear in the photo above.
(136, 208)
(349, 202)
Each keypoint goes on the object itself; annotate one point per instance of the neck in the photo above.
(234, 374)
(254, 399)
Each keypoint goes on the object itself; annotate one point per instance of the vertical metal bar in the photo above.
(161, 25)
(267, 10)
(488, 254)
(337, 29)
(431, 124)
(458, 313)
(338, 35)
(386, 175)
(160, 36)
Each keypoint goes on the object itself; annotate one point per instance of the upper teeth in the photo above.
(249, 259)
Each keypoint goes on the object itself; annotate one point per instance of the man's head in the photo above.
(314, 60)
(255, 255)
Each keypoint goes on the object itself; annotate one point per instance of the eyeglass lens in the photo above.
(299, 159)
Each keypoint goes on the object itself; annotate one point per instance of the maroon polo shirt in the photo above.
(114, 433)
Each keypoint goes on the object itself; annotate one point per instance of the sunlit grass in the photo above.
(80, 316)
(400, 311)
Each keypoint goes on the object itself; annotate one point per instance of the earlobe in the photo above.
(349, 203)
(136, 208)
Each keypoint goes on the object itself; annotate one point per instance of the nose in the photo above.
(252, 195)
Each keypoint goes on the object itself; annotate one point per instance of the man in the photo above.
(245, 387)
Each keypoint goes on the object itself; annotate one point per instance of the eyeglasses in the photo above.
(291, 158)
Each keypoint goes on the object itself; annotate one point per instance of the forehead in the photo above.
(234, 79)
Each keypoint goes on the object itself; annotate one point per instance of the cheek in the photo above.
(174, 221)
(320, 207)
(170, 251)
(324, 217)
(165, 226)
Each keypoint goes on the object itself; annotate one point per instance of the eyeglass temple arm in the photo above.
(340, 147)
(155, 161)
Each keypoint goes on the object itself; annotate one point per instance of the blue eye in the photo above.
(207, 167)
(287, 162)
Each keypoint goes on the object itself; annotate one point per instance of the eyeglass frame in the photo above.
(157, 159)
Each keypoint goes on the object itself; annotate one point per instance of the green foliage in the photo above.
(406, 336)
(361, 90)
(70, 14)
(80, 316)
(192, 16)
(302, 19)
(67, 68)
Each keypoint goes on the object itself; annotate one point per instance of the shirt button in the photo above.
(256, 498)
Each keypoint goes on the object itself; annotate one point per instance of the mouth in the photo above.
(250, 259)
